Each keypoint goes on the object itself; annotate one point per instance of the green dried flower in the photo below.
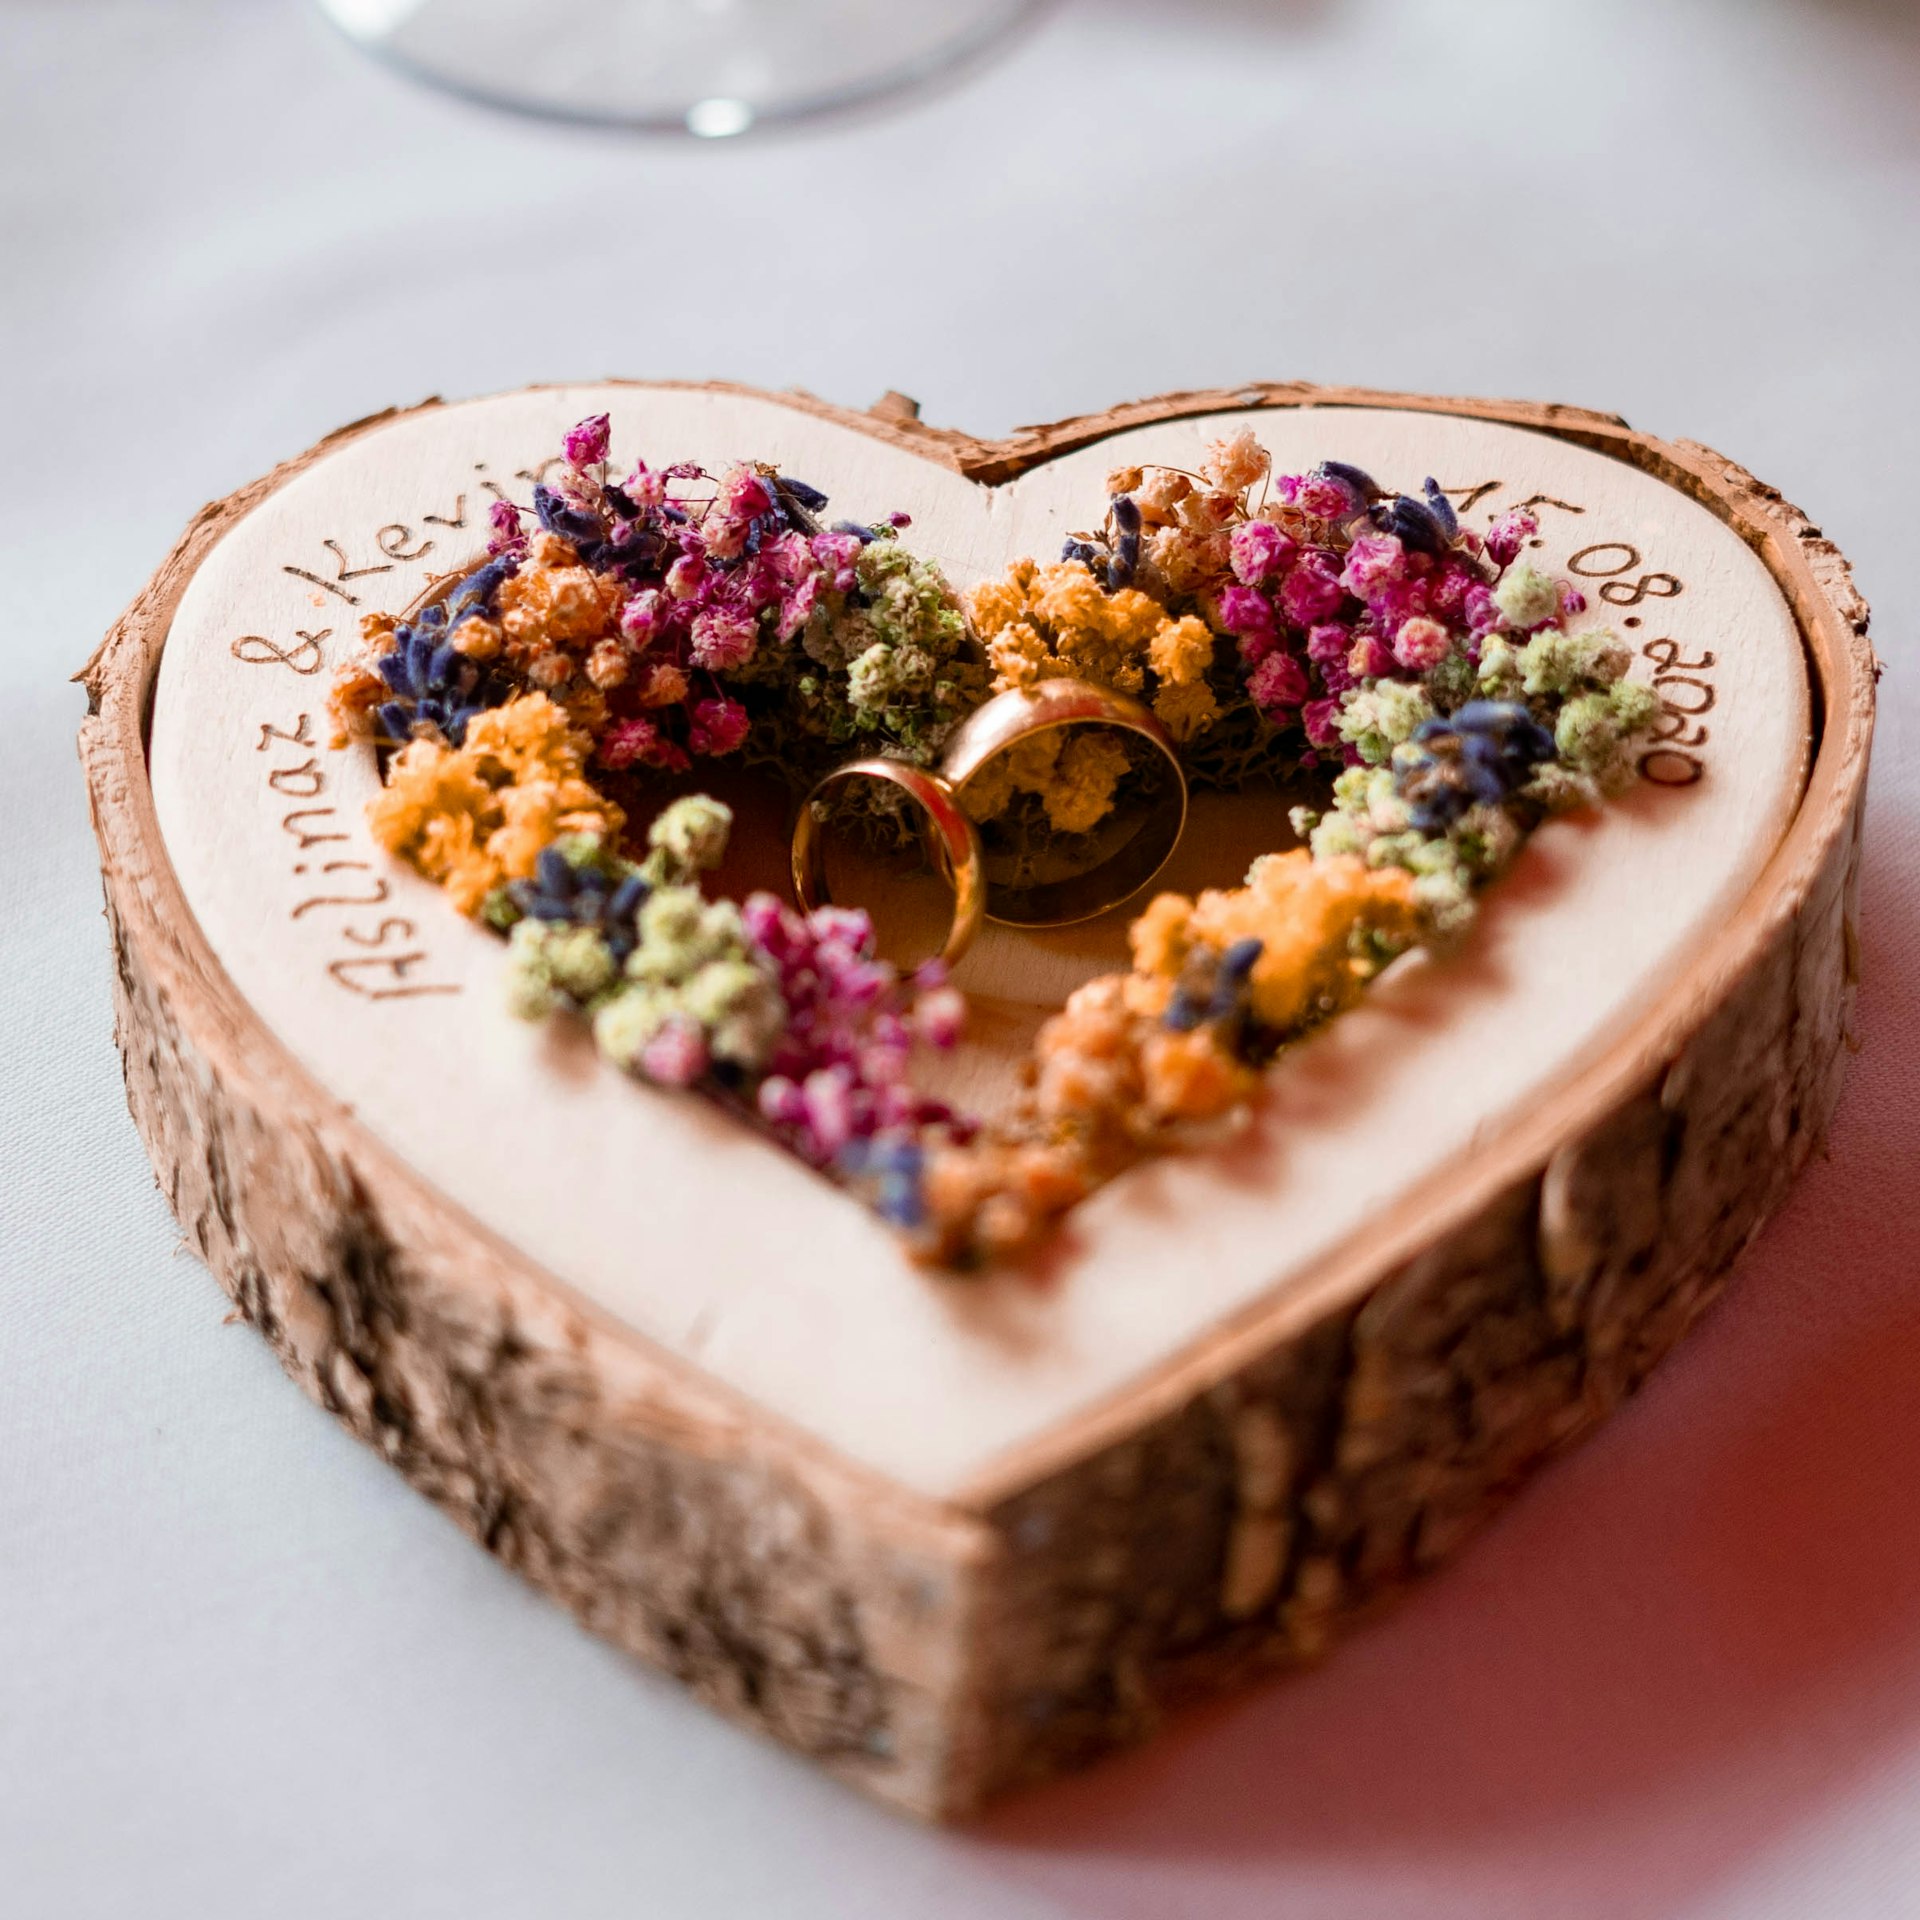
(1446, 899)
(1526, 596)
(1594, 733)
(1501, 676)
(738, 1003)
(624, 1022)
(1452, 683)
(1559, 788)
(680, 930)
(898, 659)
(688, 838)
(1378, 718)
(551, 964)
(694, 972)
(1562, 665)
(1337, 833)
(1483, 840)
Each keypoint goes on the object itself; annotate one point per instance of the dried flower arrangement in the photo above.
(1271, 622)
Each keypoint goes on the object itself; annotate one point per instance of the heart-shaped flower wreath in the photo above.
(1273, 623)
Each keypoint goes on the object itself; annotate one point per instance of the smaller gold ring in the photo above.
(951, 838)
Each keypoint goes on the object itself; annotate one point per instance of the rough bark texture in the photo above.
(1271, 1510)
(1224, 1520)
(787, 1592)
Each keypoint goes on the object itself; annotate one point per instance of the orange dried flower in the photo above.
(359, 689)
(1043, 623)
(473, 816)
(607, 664)
(995, 1199)
(1308, 915)
(478, 638)
(553, 611)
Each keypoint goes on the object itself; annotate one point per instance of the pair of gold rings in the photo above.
(1127, 853)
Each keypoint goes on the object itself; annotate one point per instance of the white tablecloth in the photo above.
(243, 1670)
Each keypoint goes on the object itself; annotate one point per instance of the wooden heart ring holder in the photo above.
(946, 1536)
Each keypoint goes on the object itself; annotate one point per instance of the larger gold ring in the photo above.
(999, 726)
(1018, 715)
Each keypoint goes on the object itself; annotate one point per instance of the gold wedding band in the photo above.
(950, 836)
(1018, 715)
(1146, 831)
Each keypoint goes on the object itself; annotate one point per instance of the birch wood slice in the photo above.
(948, 1536)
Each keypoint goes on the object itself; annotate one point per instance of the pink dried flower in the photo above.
(638, 742)
(504, 530)
(1483, 616)
(686, 576)
(1371, 658)
(1312, 587)
(1278, 683)
(1336, 676)
(940, 1017)
(840, 1071)
(1390, 609)
(1421, 644)
(1258, 550)
(1327, 647)
(1447, 590)
(1376, 563)
(882, 1067)
(586, 444)
(743, 498)
(772, 926)
(724, 637)
(826, 1104)
(744, 494)
(779, 1101)
(780, 562)
(1324, 498)
(1320, 718)
(719, 726)
(676, 1056)
(836, 553)
(1509, 534)
(1572, 600)
(641, 617)
(1328, 641)
(1246, 613)
(797, 608)
(644, 487)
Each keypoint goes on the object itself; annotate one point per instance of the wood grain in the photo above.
(1222, 1510)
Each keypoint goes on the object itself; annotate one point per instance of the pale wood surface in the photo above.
(714, 1245)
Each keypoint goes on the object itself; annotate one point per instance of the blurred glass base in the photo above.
(707, 67)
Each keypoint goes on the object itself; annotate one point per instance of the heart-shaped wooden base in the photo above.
(948, 1536)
